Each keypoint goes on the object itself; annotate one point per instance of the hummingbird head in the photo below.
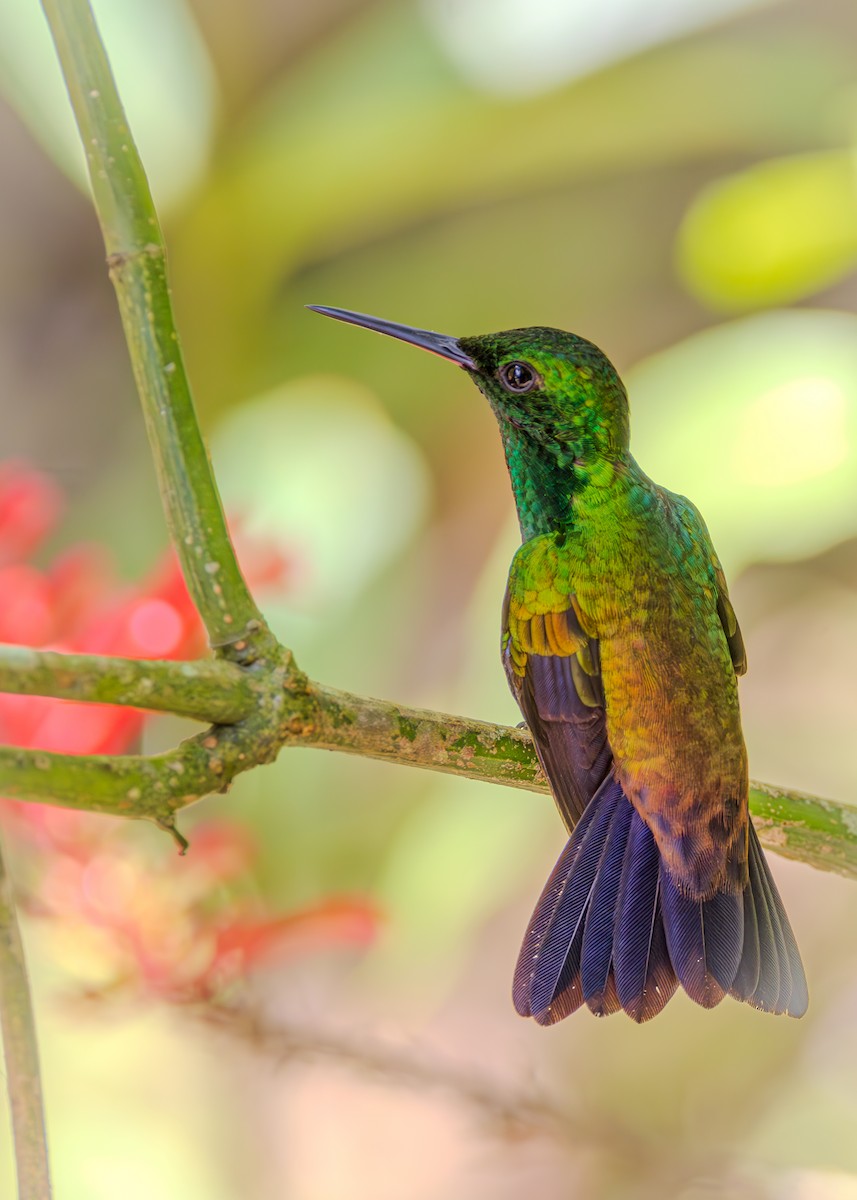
(555, 390)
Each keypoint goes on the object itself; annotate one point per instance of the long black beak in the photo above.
(436, 343)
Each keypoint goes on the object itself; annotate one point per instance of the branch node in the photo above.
(168, 824)
(120, 258)
(245, 646)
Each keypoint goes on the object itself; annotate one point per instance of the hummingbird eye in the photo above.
(518, 377)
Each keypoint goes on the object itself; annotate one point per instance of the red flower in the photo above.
(179, 928)
(76, 604)
(184, 929)
(30, 505)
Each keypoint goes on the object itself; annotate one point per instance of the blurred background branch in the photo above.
(508, 1113)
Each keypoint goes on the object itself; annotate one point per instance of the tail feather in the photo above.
(794, 1000)
(557, 959)
(704, 938)
(612, 929)
(598, 982)
(781, 984)
(661, 981)
(645, 979)
(567, 995)
(544, 913)
(747, 977)
(570, 992)
(764, 991)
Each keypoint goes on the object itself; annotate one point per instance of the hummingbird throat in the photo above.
(546, 477)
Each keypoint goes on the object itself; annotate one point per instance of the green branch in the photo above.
(290, 710)
(136, 259)
(210, 690)
(21, 1054)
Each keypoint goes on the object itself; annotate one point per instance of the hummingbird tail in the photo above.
(597, 933)
(612, 930)
(770, 975)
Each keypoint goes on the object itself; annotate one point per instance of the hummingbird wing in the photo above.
(553, 667)
(728, 620)
(686, 512)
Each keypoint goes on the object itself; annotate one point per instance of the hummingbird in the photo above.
(622, 650)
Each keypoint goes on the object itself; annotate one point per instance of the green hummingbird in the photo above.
(622, 650)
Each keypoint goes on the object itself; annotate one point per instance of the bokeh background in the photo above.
(678, 182)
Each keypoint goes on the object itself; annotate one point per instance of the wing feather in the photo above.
(553, 665)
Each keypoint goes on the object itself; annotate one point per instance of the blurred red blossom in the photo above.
(76, 604)
(177, 928)
(185, 929)
(30, 505)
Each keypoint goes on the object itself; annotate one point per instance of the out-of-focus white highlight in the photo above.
(163, 72)
(756, 421)
(520, 46)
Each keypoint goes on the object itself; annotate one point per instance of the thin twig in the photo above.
(136, 258)
(22, 1055)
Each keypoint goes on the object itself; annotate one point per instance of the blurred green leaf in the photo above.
(756, 421)
(776, 232)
